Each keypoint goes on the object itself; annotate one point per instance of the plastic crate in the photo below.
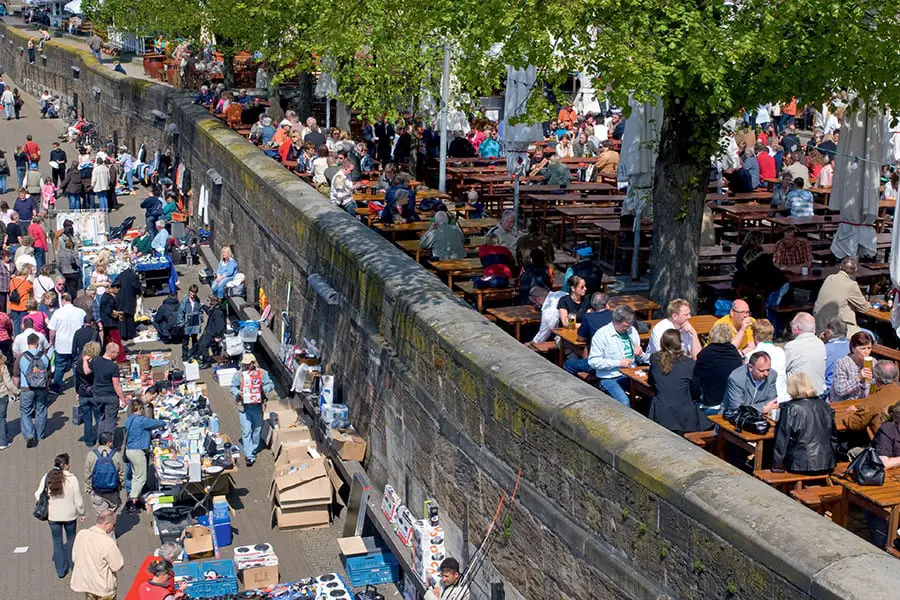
(372, 568)
(186, 574)
(225, 583)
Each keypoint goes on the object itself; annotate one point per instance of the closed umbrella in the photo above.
(73, 7)
(895, 270)
(640, 144)
(857, 172)
(516, 138)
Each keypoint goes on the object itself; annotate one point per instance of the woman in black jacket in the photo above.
(805, 435)
(671, 373)
(714, 364)
(72, 185)
(126, 302)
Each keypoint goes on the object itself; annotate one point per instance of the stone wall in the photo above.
(610, 505)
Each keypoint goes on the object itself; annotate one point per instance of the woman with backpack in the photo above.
(138, 430)
(65, 505)
(104, 475)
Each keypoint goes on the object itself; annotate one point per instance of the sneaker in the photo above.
(249, 462)
(4, 447)
(31, 443)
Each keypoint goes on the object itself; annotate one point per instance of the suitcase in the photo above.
(370, 593)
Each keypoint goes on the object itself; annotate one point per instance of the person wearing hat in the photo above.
(587, 269)
(451, 586)
(111, 317)
(248, 388)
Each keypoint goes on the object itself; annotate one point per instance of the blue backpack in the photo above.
(105, 476)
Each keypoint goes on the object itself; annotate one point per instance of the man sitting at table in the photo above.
(548, 303)
(840, 296)
(803, 436)
(506, 230)
(679, 311)
(781, 191)
(752, 385)
(751, 165)
(599, 316)
(794, 163)
(739, 321)
(556, 173)
(837, 346)
(614, 347)
(800, 201)
(445, 239)
(806, 352)
(792, 250)
(765, 161)
(607, 163)
(869, 412)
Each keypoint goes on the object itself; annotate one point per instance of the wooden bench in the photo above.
(820, 498)
(785, 481)
(588, 377)
(793, 308)
(543, 347)
(704, 439)
(885, 352)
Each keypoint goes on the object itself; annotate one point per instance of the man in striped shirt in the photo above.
(800, 200)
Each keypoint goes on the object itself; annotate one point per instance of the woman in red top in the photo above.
(497, 260)
(36, 231)
(169, 552)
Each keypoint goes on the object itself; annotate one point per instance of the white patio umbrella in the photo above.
(640, 144)
(586, 101)
(895, 270)
(516, 138)
(73, 7)
(857, 172)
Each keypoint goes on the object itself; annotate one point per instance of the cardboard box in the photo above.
(303, 485)
(296, 436)
(259, 577)
(281, 413)
(198, 542)
(348, 444)
(292, 455)
(309, 517)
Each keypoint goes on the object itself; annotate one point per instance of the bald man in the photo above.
(739, 320)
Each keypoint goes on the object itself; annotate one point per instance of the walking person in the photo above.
(84, 389)
(67, 262)
(100, 183)
(73, 186)
(126, 303)
(64, 324)
(20, 291)
(21, 165)
(58, 160)
(8, 101)
(137, 448)
(104, 475)
(107, 388)
(7, 268)
(65, 506)
(18, 103)
(97, 560)
(4, 171)
(37, 233)
(248, 388)
(190, 315)
(9, 392)
(34, 383)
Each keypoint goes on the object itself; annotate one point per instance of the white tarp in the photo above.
(857, 176)
(895, 270)
(640, 144)
(74, 7)
(586, 102)
(519, 83)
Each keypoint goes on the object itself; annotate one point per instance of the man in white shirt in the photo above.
(806, 352)
(548, 302)
(63, 324)
(613, 347)
(20, 343)
(161, 239)
(679, 311)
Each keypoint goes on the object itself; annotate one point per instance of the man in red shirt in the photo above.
(169, 552)
(766, 162)
(31, 149)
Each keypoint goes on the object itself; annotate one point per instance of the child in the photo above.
(48, 195)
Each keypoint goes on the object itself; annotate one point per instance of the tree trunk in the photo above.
(679, 191)
(303, 101)
(228, 69)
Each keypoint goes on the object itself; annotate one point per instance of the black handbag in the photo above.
(41, 510)
(748, 418)
(77, 415)
(867, 468)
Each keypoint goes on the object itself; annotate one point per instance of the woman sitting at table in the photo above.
(564, 147)
(535, 273)
(584, 146)
(672, 374)
(781, 191)
(887, 446)
(804, 436)
(714, 364)
(851, 375)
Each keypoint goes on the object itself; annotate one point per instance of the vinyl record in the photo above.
(214, 470)
(326, 578)
(173, 464)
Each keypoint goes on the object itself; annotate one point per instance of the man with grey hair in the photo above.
(97, 559)
(169, 552)
(837, 346)
(599, 315)
(870, 412)
(615, 346)
(840, 297)
(506, 230)
(806, 353)
(161, 239)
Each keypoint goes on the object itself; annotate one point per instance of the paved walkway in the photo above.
(30, 575)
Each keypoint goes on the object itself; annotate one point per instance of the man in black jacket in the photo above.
(58, 156)
(126, 301)
(166, 319)
(85, 335)
(215, 329)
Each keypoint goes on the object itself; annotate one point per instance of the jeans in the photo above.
(576, 366)
(71, 284)
(878, 533)
(129, 180)
(16, 317)
(138, 461)
(90, 412)
(63, 364)
(87, 202)
(39, 258)
(20, 175)
(109, 413)
(2, 184)
(97, 55)
(74, 202)
(102, 199)
(33, 412)
(8, 109)
(4, 434)
(613, 387)
(62, 551)
(251, 425)
(218, 287)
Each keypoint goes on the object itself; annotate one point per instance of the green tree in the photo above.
(704, 60)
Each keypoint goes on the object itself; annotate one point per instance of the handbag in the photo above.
(41, 510)
(866, 468)
(747, 418)
(77, 415)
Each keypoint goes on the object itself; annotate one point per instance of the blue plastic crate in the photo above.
(186, 574)
(372, 569)
(225, 583)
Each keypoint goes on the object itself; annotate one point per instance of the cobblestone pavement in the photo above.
(30, 575)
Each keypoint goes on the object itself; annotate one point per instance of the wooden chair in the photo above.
(704, 439)
(785, 481)
(821, 498)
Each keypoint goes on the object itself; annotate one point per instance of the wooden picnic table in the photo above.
(457, 267)
(638, 381)
(609, 234)
(573, 214)
(746, 441)
(794, 276)
(571, 342)
(881, 500)
(879, 315)
(516, 317)
(467, 225)
(411, 247)
(702, 325)
(482, 295)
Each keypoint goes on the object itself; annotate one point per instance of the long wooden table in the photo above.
(457, 267)
(516, 317)
(481, 296)
(746, 441)
(467, 225)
